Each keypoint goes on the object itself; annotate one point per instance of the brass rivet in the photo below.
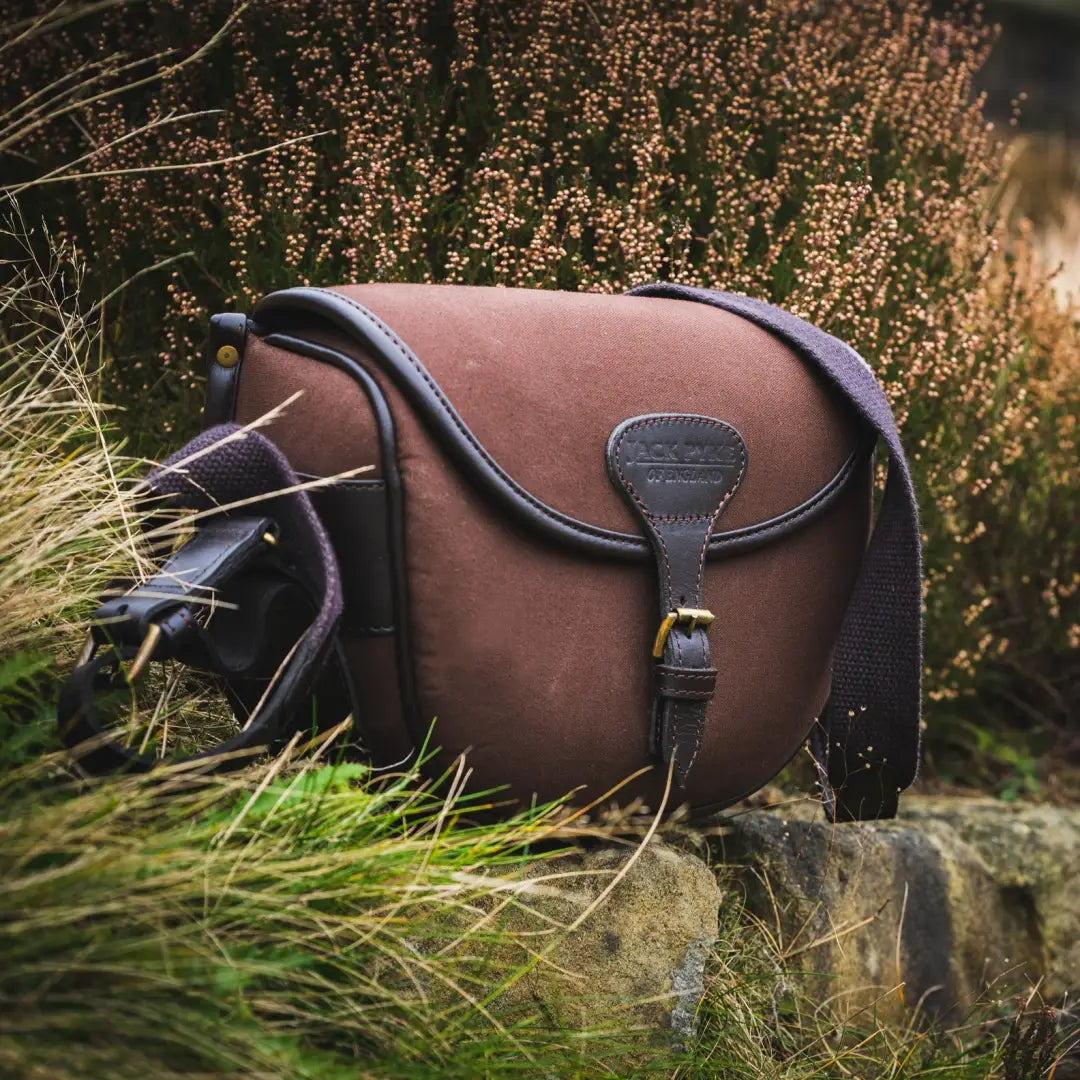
(227, 356)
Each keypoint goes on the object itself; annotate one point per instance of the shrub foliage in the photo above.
(832, 158)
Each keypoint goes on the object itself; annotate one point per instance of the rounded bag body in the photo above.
(601, 536)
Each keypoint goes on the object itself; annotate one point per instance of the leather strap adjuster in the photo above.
(158, 618)
(690, 684)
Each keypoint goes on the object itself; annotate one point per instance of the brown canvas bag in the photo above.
(602, 536)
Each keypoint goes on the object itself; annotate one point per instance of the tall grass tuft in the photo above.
(67, 523)
(289, 921)
(314, 921)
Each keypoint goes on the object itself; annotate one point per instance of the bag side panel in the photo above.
(328, 428)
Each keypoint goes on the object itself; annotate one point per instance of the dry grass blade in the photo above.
(22, 31)
(66, 521)
(80, 97)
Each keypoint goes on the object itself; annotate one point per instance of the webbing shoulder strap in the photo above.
(867, 741)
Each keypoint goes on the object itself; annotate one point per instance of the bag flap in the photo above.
(523, 387)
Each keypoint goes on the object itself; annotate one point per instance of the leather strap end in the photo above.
(685, 725)
(680, 727)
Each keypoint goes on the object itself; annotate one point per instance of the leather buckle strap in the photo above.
(161, 617)
(678, 473)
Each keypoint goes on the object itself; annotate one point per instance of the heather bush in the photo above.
(832, 158)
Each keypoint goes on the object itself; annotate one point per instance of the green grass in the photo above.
(288, 922)
(310, 920)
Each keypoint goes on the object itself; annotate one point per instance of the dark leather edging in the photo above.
(284, 307)
(227, 329)
(395, 510)
(354, 513)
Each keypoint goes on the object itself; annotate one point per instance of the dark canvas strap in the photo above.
(867, 741)
(265, 553)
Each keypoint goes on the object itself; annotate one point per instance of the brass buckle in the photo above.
(694, 617)
(142, 657)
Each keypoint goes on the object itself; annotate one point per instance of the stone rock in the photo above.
(955, 900)
(638, 961)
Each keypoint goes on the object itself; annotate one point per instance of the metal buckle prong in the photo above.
(693, 617)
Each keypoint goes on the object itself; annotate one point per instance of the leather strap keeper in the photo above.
(673, 682)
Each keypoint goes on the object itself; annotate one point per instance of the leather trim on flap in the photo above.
(288, 309)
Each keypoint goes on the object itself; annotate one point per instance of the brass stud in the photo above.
(228, 356)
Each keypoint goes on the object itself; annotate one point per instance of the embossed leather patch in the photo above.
(676, 466)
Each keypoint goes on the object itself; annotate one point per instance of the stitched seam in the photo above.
(581, 527)
(838, 481)
(666, 563)
(700, 695)
(719, 511)
(697, 742)
(681, 673)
